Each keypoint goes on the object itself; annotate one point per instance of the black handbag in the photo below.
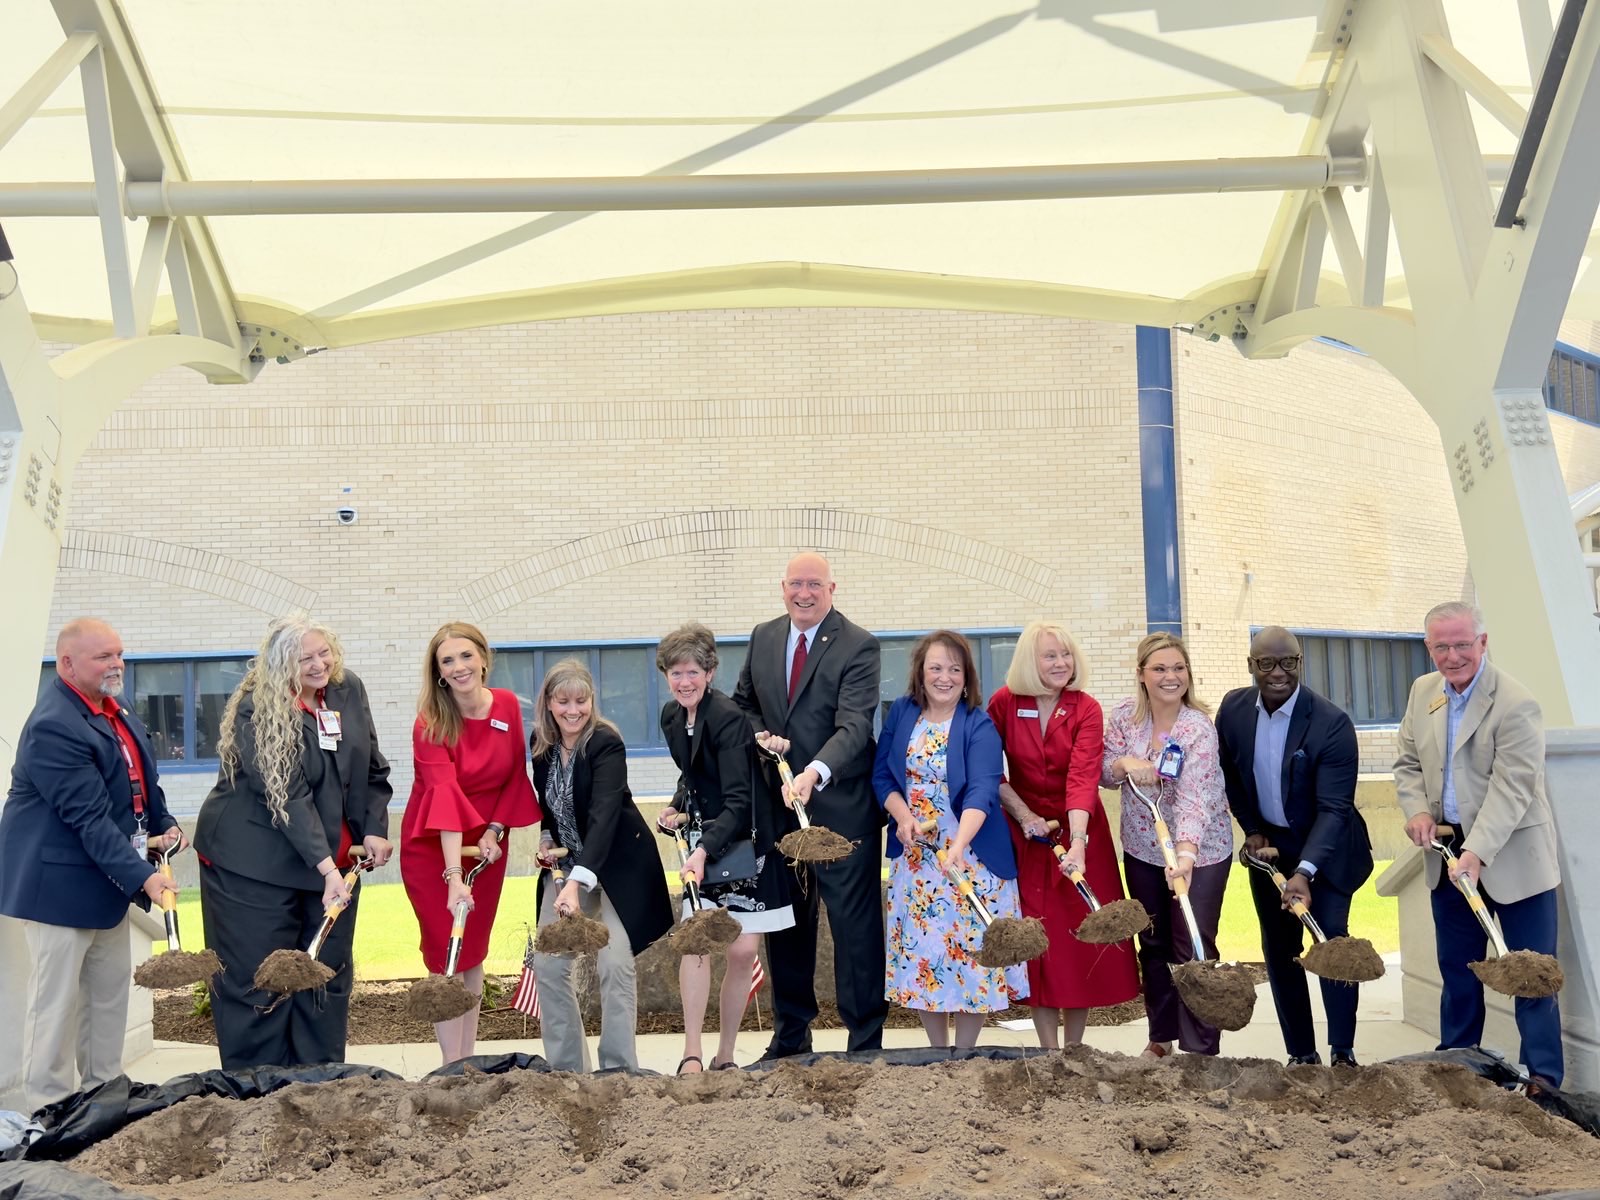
(736, 865)
(738, 862)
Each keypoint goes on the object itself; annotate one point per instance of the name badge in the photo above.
(328, 722)
(1170, 764)
(326, 742)
(1027, 712)
(141, 843)
(1438, 703)
(496, 723)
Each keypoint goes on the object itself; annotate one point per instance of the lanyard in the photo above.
(133, 769)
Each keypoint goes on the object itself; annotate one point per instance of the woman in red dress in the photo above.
(471, 786)
(1053, 735)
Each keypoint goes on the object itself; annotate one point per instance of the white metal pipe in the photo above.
(182, 198)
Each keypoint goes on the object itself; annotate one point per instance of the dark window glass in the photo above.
(626, 676)
(1370, 678)
(158, 698)
(730, 661)
(214, 681)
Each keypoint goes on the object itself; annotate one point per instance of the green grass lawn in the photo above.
(386, 928)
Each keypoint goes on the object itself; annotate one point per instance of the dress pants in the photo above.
(851, 888)
(1166, 944)
(246, 920)
(1282, 940)
(561, 1019)
(1528, 924)
(77, 1014)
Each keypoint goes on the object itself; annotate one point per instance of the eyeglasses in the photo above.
(1440, 649)
(1268, 664)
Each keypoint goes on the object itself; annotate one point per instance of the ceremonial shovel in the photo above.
(435, 998)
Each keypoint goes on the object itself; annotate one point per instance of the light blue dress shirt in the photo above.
(1272, 737)
(1457, 706)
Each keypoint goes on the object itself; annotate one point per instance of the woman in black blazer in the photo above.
(580, 769)
(715, 748)
(302, 781)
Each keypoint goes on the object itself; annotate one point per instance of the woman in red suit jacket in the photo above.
(471, 786)
(1053, 735)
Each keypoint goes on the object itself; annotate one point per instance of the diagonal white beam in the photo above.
(15, 112)
(1494, 98)
(1376, 241)
(158, 236)
(182, 285)
(1341, 231)
(107, 189)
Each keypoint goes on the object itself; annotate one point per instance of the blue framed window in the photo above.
(1367, 675)
(179, 700)
(1572, 384)
(632, 692)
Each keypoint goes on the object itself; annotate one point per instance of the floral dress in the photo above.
(934, 935)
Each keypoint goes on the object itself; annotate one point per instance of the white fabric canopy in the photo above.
(415, 89)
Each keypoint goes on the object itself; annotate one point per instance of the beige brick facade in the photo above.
(608, 478)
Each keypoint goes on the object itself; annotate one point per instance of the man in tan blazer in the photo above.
(1472, 757)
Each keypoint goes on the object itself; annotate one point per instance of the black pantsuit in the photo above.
(246, 920)
(260, 889)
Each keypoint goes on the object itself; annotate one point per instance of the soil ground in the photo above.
(1076, 1125)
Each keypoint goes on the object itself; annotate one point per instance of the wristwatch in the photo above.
(1305, 874)
(498, 830)
(1080, 837)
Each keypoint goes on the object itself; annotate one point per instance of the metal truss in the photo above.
(1485, 293)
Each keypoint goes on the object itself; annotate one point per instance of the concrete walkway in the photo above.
(1382, 1034)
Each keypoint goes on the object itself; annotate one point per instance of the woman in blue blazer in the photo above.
(939, 759)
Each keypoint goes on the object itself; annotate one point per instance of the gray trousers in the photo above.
(77, 1016)
(560, 1021)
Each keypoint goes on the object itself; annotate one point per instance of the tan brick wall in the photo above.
(608, 478)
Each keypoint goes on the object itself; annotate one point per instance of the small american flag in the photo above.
(758, 976)
(526, 999)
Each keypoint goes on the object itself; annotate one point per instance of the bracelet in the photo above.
(1080, 837)
(498, 830)
(449, 871)
(1189, 854)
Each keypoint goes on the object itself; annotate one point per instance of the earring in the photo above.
(442, 683)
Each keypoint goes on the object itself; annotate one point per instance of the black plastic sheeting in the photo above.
(1581, 1108)
(84, 1118)
(490, 1064)
(52, 1181)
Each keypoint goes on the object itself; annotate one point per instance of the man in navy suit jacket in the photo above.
(1290, 760)
(84, 799)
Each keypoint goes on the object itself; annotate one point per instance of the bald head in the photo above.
(89, 657)
(808, 589)
(1275, 665)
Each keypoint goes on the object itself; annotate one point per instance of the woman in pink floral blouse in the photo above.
(1163, 722)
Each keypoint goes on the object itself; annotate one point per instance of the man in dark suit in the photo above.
(83, 808)
(810, 687)
(1290, 760)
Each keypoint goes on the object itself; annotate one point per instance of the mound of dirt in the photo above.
(707, 932)
(286, 971)
(574, 934)
(437, 998)
(1220, 994)
(1351, 960)
(1010, 941)
(1114, 922)
(1521, 973)
(1080, 1124)
(814, 844)
(177, 968)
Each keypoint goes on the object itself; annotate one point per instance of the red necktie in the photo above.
(798, 666)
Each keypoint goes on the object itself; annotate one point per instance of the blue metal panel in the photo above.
(1158, 481)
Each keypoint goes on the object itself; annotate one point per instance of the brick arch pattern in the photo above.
(758, 529)
(185, 567)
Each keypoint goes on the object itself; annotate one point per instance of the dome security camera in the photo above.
(347, 516)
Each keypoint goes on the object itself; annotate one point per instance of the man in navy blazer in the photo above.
(1290, 761)
(84, 802)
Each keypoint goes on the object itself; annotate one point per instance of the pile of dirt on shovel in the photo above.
(1082, 1124)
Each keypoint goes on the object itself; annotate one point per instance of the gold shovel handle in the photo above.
(786, 774)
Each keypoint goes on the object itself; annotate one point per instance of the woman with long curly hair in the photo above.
(471, 788)
(301, 782)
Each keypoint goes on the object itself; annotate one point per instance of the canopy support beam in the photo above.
(1486, 302)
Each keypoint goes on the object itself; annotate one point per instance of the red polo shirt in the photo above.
(108, 707)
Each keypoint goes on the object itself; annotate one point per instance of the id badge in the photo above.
(328, 723)
(326, 742)
(1170, 764)
(140, 841)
